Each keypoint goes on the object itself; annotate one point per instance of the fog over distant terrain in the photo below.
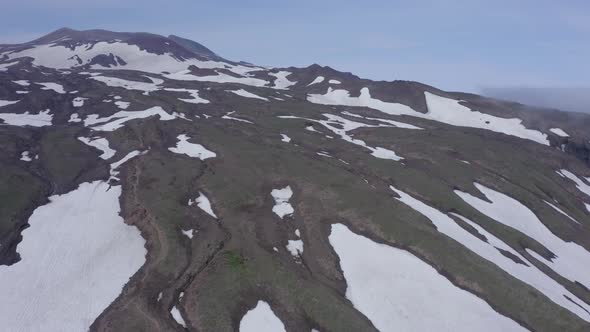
(565, 99)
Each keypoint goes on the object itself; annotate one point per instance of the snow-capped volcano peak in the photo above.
(100, 49)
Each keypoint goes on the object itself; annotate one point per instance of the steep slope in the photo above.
(279, 197)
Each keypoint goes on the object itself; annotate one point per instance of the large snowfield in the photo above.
(440, 109)
(76, 256)
(399, 292)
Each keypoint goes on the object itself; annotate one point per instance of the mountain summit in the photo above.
(149, 184)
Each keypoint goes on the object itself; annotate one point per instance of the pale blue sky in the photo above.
(452, 44)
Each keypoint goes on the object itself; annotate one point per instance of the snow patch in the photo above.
(195, 99)
(560, 211)
(282, 82)
(41, 119)
(183, 146)
(177, 316)
(261, 319)
(282, 206)
(228, 117)
(559, 132)
(580, 184)
(317, 80)
(204, 204)
(101, 144)
(78, 101)
(285, 138)
(246, 94)
(8, 102)
(25, 156)
(50, 86)
(334, 82)
(123, 116)
(413, 298)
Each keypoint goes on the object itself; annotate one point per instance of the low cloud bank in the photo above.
(565, 99)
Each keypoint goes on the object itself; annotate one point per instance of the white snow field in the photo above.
(76, 256)
(282, 206)
(195, 99)
(572, 261)
(204, 204)
(343, 126)
(487, 250)
(8, 102)
(41, 119)
(246, 94)
(334, 82)
(78, 101)
(50, 86)
(580, 184)
(561, 211)
(559, 132)
(399, 292)
(440, 109)
(103, 124)
(285, 138)
(131, 85)
(101, 144)
(177, 316)
(183, 146)
(282, 82)
(317, 80)
(261, 319)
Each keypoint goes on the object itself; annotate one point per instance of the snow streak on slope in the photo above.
(123, 116)
(76, 256)
(8, 102)
(41, 119)
(191, 149)
(440, 109)
(185, 75)
(559, 132)
(261, 319)
(246, 94)
(580, 184)
(561, 211)
(399, 292)
(489, 251)
(572, 261)
(4, 66)
(101, 144)
(341, 126)
(130, 85)
(195, 99)
(282, 206)
(177, 316)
